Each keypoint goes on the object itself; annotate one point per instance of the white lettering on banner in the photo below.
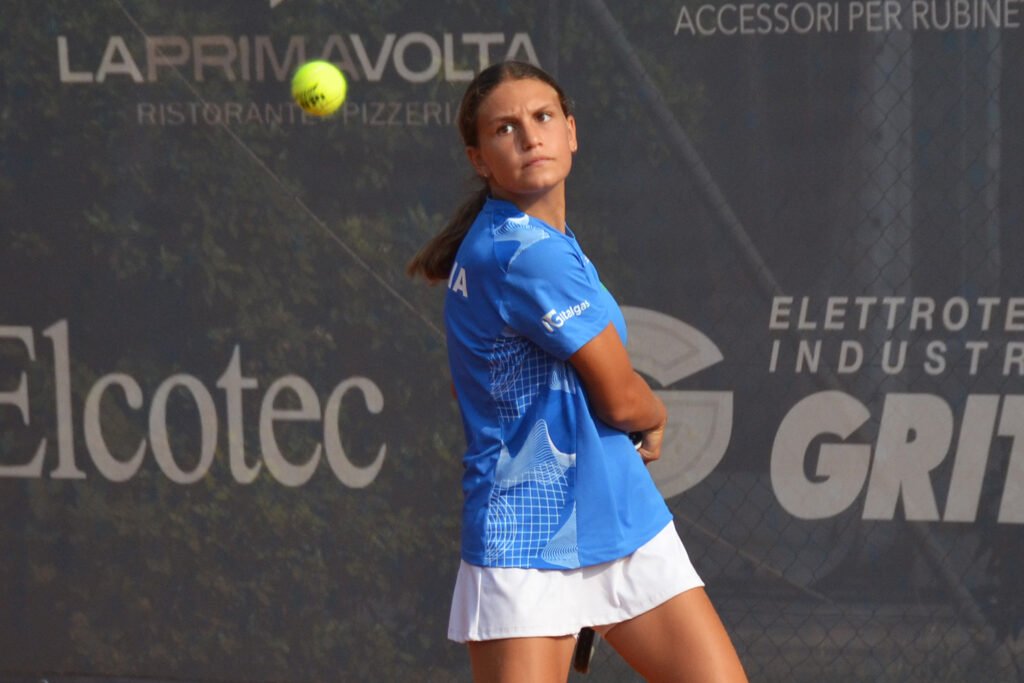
(917, 313)
(308, 410)
(374, 114)
(66, 468)
(875, 16)
(19, 399)
(207, 428)
(108, 465)
(868, 16)
(841, 468)
(391, 114)
(729, 19)
(942, 15)
(233, 384)
(914, 435)
(416, 57)
(350, 474)
(895, 357)
(120, 468)
(887, 336)
(903, 331)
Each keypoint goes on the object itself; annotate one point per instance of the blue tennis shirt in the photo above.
(546, 484)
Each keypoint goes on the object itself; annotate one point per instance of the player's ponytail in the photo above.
(435, 259)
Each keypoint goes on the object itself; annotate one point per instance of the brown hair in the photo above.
(434, 260)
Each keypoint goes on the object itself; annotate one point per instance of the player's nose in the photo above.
(530, 136)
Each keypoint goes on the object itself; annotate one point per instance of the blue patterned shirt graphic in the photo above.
(546, 484)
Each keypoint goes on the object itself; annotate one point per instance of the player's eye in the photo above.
(544, 116)
(505, 129)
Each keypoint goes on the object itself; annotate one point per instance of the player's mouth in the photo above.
(537, 161)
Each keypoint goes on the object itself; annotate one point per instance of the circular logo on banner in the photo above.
(700, 422)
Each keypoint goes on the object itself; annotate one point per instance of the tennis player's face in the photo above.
(525, 142)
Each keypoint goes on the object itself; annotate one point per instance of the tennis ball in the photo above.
(319, 88)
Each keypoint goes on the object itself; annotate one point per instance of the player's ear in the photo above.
(570, 121)
(477, 159)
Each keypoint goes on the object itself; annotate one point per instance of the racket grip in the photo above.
(637, 438)
(584, 649)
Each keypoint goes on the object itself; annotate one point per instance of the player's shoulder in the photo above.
(506, 220)
(525, 244)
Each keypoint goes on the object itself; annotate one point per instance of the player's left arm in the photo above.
(550, 276)
(619, 395)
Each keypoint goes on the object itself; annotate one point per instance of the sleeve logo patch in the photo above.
(554, 319)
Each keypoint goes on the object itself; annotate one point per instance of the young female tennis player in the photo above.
(562, 525)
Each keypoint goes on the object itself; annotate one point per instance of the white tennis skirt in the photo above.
(499, 602)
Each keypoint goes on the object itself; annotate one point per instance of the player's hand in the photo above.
(650, 446)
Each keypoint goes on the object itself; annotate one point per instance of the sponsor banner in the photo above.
(872, 16)
(414, 58)
(233, 383)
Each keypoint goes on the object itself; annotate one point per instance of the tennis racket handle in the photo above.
(584, 650)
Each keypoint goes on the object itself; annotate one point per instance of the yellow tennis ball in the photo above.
(319, 88)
